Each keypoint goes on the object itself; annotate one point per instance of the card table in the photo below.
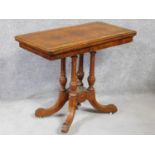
(74, 42)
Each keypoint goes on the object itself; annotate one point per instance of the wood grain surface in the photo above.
(52, 43)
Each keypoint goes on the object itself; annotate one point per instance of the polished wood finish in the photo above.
(73, 42)
(91, 95)
(76, 93)
(72, 97)
(80, 73)
(63, 95)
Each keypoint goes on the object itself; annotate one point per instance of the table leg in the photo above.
(63, 95)
(91, 91)
(72, 97)
(80, 73)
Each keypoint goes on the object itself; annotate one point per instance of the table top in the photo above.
(68, 41)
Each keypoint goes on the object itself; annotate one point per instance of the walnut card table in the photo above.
(72, 42)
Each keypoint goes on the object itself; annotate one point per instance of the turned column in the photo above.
(63, 78)
(80, 73)
(91, 77)
(73, 83)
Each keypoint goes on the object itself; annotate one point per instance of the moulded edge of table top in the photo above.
(86, 46)
(76, 52)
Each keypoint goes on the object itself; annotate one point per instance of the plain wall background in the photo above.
(128, 68)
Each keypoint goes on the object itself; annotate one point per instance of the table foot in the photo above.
(65, 128)
(110, 108)
(70, 115)
(42, 112)
(69, 118)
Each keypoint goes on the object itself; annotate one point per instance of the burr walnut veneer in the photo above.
(74, 42)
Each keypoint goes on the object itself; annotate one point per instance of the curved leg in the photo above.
(42, 112)
(63, 95)
(103, 108)
(72, 98)
(70, 115)
(91, 92)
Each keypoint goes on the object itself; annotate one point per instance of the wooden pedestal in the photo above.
(76, 93)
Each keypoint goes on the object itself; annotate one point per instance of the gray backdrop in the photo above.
(127, 68)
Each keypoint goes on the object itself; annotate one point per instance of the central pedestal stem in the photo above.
(76, 93)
